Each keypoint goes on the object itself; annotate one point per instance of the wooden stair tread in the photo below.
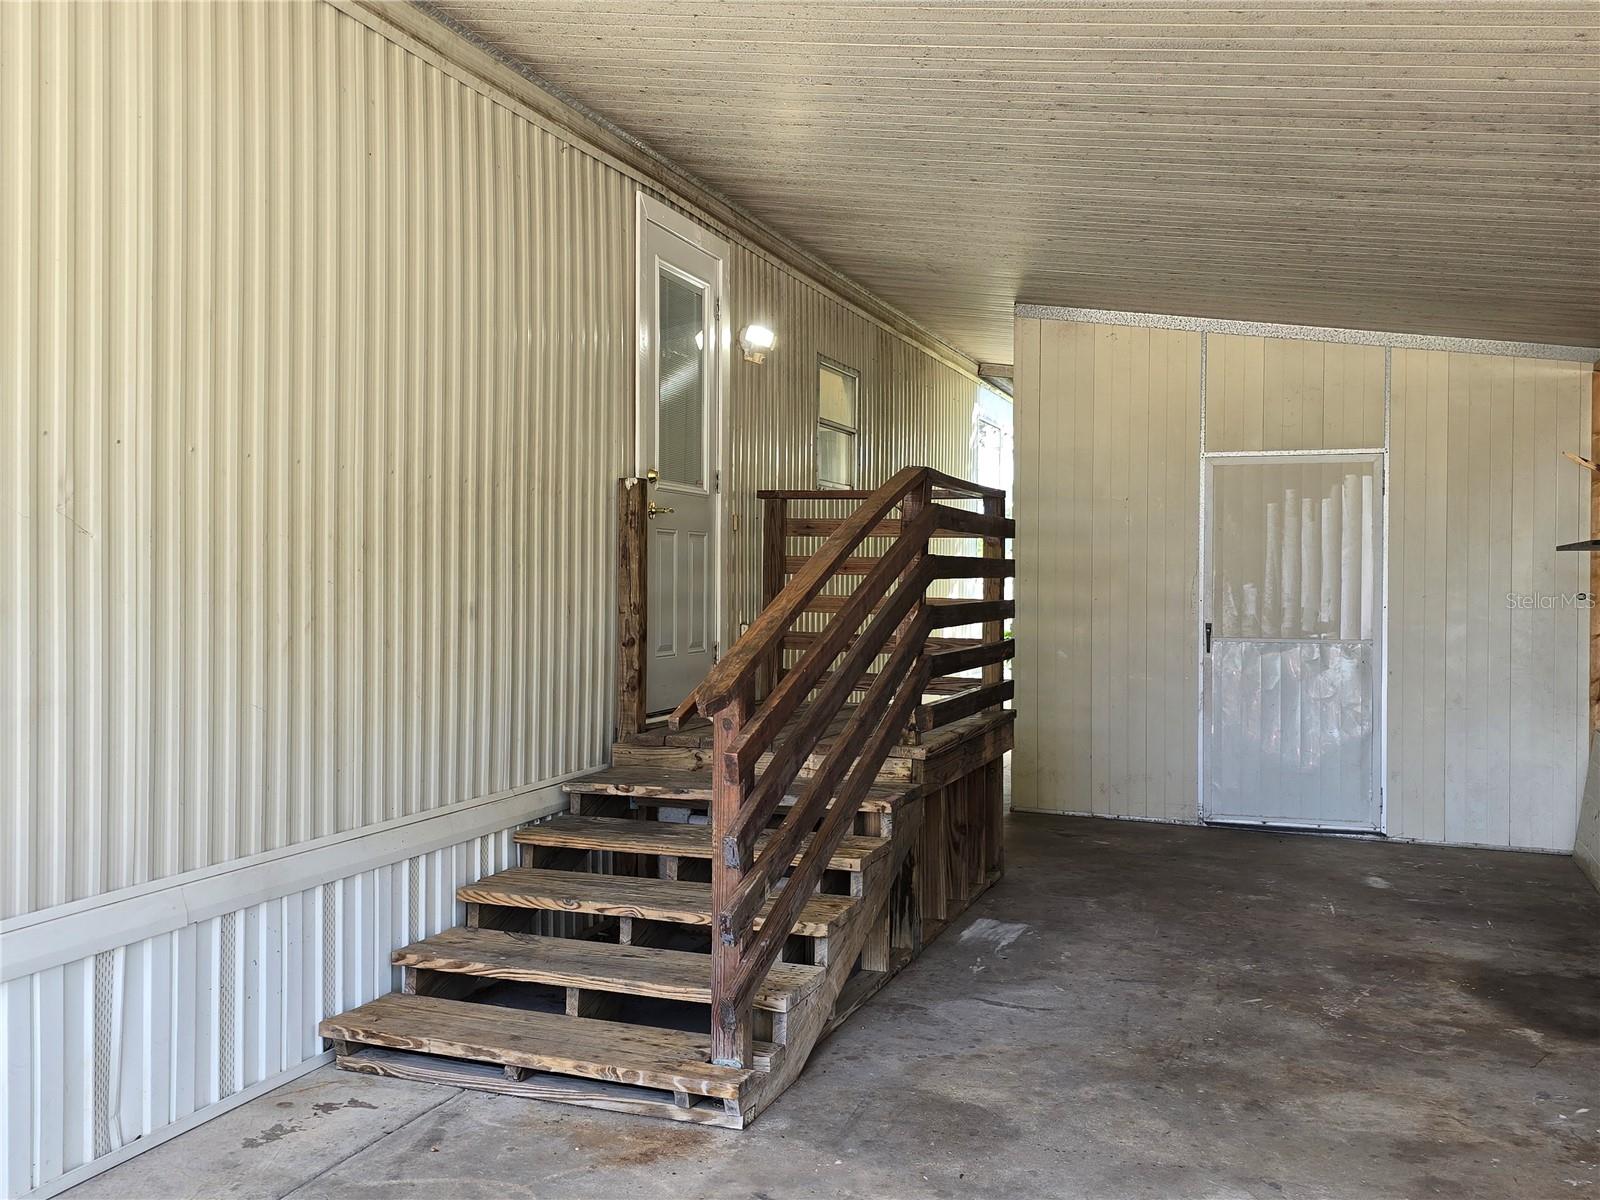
(670, 837)
(601, 966)
(693, 788)
(639, 1054)
(631, 896)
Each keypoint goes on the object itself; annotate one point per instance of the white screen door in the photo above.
(1293, 613)
(680, 291)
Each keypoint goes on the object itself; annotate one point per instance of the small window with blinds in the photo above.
(837, 389)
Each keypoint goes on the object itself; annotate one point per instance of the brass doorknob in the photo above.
(656, 509)
(651, 475)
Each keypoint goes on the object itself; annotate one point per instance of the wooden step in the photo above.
(667, 1059)
(598, 966)
(631, 896)
(692, 789)
(670, 837)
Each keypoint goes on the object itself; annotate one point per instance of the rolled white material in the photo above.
(1350, 559)
(1310, 566)
(1368, 574)
(1289, 563)
(1330, 557)
(1272, 581)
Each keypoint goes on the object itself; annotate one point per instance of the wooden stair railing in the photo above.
(888, 612)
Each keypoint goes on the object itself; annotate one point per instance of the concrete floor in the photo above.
(1135, 1011)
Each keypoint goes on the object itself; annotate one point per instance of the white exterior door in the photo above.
(1291, 732)
(680, 372)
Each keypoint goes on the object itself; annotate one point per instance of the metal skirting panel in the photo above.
(117, 1046)
(317, 380)
(1486, 661)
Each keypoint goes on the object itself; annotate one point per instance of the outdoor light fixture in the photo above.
(756, 340)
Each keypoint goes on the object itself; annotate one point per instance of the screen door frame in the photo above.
(1378, 459)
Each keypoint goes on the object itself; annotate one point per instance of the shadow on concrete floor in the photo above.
(1135, 1011)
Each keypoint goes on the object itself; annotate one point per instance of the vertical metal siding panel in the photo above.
(315, 441)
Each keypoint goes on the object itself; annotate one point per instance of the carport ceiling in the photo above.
(1379, 166)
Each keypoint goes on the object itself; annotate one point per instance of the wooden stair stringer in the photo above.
(814, 1018)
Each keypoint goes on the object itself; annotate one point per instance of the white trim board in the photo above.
(1308, 333)
(37, 941)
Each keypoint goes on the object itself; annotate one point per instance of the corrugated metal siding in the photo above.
(318, 376)
(376, 580)
(1108, 438)
(1488, 735)
(111, 1048)
(912, 407)
(1276, 394)
(1486, 707)
(319, 367)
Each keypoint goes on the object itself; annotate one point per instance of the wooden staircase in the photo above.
(596, 972)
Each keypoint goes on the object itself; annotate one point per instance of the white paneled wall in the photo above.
(1108, 438)
(316, 371)
(1487, 659)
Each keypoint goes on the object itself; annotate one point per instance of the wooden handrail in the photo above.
(888, 612)
(736, 669)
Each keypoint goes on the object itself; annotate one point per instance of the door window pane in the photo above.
(681, 371)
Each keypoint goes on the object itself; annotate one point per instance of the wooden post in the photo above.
(994, 589)
(731, 1034)
(914, 505)
(632, 541)
(1594, 556)
(774, 547)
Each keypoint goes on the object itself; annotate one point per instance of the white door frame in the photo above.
(651, 211)
(1379, 456)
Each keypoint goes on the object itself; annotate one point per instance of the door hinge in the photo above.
(1208, 637)
(716, 479)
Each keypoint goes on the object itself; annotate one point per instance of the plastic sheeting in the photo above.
(1290, 733)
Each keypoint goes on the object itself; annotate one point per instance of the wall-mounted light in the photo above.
(756, 340)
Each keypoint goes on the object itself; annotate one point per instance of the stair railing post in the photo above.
(916, 502)
(774, 560)
(995, 588)
(731, 1037)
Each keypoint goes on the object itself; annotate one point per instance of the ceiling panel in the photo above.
(1431, 169)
